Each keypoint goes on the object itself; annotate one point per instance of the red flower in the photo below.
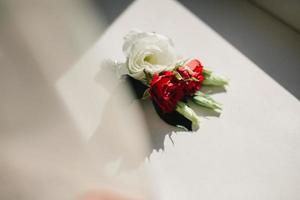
(166, 90)
(192, 73)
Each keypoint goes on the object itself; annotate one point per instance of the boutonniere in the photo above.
(154, 70)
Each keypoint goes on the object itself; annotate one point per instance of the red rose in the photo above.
(192, 73)
(166, 91)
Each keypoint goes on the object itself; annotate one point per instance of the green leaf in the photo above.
(148, 77)
(189, 70)
(180, 64)
(194, 79)
(146, 94)
(177, 75)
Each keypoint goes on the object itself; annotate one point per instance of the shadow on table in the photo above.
(121, 137)
(159, 129)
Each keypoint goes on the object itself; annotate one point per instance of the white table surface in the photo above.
(251, 151)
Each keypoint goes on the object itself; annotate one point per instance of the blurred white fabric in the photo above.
(44, 153)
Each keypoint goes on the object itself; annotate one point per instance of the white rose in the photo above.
(147, 51)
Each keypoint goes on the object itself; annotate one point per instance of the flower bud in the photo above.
(206, 101)
(214, 79)
(188, 113)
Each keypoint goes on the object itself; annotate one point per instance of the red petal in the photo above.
(155, 79)
(193, 64)
(168, 73)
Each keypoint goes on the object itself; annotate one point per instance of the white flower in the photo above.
(147, 51)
